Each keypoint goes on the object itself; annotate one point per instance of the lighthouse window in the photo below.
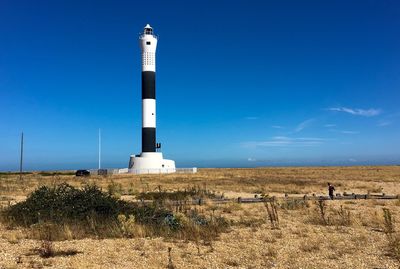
(148, 42)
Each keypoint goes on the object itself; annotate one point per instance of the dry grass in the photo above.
(293, 180)
(354, 234)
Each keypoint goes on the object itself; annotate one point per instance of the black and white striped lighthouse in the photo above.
(151, 159)
(148, 44)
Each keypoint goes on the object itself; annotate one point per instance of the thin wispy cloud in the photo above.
(303, 125)
(384, 123)
(389, 119)
(277, 127)
(283, 141)
(349, 132)
(356, 111)
(344, 131)
(329, 125)
(251, 118)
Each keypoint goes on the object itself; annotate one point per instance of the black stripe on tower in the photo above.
(148, 139)
(148, 92)
(148, 85)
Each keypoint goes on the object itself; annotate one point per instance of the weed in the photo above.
(344, 217)
(170, 263)
(322, 211)
(322, 215)
(129, 227)
(388, 222)
(115, 189)
(131, 190)
(272, 211)
(46, 249)
(391, 235)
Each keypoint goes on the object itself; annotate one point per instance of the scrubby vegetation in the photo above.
(63, 211)
(194, 192)
(322, 214)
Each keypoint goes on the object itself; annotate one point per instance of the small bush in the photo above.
(63, 203)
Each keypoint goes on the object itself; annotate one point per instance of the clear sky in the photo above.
(239, 83)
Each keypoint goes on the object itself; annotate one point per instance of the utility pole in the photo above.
(22, 154)
(99, 148)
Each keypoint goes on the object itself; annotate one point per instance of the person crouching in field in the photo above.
(331, 189)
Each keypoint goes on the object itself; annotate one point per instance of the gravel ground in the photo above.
(297, 244)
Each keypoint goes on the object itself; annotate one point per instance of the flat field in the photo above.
(334, 234)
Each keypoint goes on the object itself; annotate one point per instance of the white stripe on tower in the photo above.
(149, 113)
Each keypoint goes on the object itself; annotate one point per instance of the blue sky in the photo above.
(239, 83)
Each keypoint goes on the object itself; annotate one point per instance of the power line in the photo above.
(99, 148)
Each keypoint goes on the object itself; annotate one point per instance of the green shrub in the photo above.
(63, 203)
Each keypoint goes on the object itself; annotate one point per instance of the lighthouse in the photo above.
(151, 160)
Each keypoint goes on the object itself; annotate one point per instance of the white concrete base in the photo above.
(150, 163)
